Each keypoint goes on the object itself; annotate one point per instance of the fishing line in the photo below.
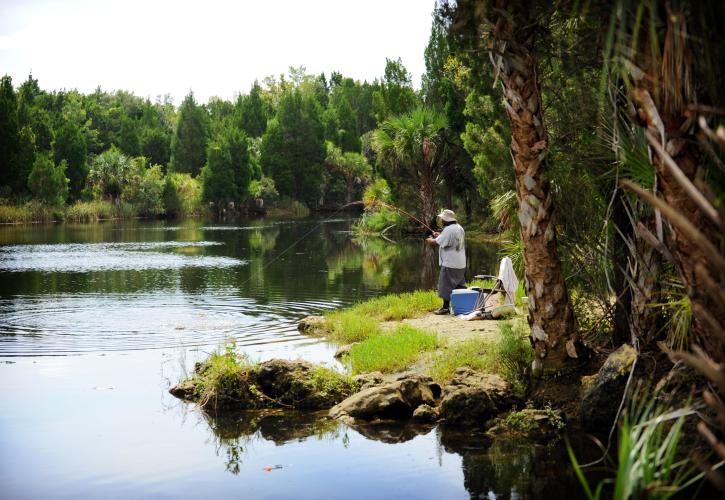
(283, 252)
(277, 257)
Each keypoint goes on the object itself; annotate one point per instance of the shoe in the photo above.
(442, 311)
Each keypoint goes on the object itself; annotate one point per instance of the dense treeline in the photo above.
(272, 144)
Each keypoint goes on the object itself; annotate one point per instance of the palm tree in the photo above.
(666, 56)
(413, 144)
(354, 167)
(508, 29)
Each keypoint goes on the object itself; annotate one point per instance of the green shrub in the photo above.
(144, 189)
(391, 352)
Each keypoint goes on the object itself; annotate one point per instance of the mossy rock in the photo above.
(225, 382)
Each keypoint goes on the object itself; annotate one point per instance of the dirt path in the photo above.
(452, 328)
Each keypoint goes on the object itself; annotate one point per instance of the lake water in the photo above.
(98, 321)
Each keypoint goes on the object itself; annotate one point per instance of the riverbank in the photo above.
(401, 362)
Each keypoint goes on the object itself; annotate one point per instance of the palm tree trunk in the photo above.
(427, 196)
(553, 325)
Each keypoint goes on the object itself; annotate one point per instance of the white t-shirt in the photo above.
(451, 247)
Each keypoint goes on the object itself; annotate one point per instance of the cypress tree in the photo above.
(9, 140)
(188, 145)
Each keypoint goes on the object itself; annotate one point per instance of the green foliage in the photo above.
(70, 145)
(511, 354)
(145, 188)
(395, 95)
(155, 146)
(390, 352)
(293, 150)
(504, 208)
(96, 210)
(109, 173)
(395, 307)
(648, 464)
(32, 211)
(181, 195)
(328, 383)
(348, 326)
(227, 174)
(288, 208)
(47, 181)
(189, 143)
(251, 112)
(9, 143)
(411, 149)
(223, 378)
(263, 189)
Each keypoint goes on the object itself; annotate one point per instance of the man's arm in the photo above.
(431, 240)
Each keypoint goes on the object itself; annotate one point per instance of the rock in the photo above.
(537, 425)
(367, 380)
(313, 325)
(343, 351)
(425, 413)
(603, 393)
(397, 399)
(293, 384)
(391, 431)
(472, 399)
(186, 390)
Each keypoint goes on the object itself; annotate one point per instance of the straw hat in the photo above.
(447, 215)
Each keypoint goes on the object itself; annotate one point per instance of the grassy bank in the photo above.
(378, 347)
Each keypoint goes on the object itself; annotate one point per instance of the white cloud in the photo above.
(214, 47)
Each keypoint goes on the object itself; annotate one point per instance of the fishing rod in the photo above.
(343, 207)
(410, 216)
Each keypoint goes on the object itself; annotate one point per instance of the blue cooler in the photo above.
(463, 301)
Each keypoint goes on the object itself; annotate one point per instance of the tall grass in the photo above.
(362, 320)
(32, 211)
(287, 207)
(510, 355)
(391, 352)
(397, 307)
(647, 464)
(471, 353)
(92, 211)
(348, 326)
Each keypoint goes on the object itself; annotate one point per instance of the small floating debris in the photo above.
(270, 468)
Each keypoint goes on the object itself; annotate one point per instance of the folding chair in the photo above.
(505, 283)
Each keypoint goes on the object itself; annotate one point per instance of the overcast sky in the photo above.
(213, 47)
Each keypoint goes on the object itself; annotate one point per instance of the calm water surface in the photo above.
(97, 321)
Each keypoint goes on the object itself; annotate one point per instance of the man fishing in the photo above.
(451, 257)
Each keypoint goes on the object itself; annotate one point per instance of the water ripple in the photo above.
(77, 257)
(69, 324)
